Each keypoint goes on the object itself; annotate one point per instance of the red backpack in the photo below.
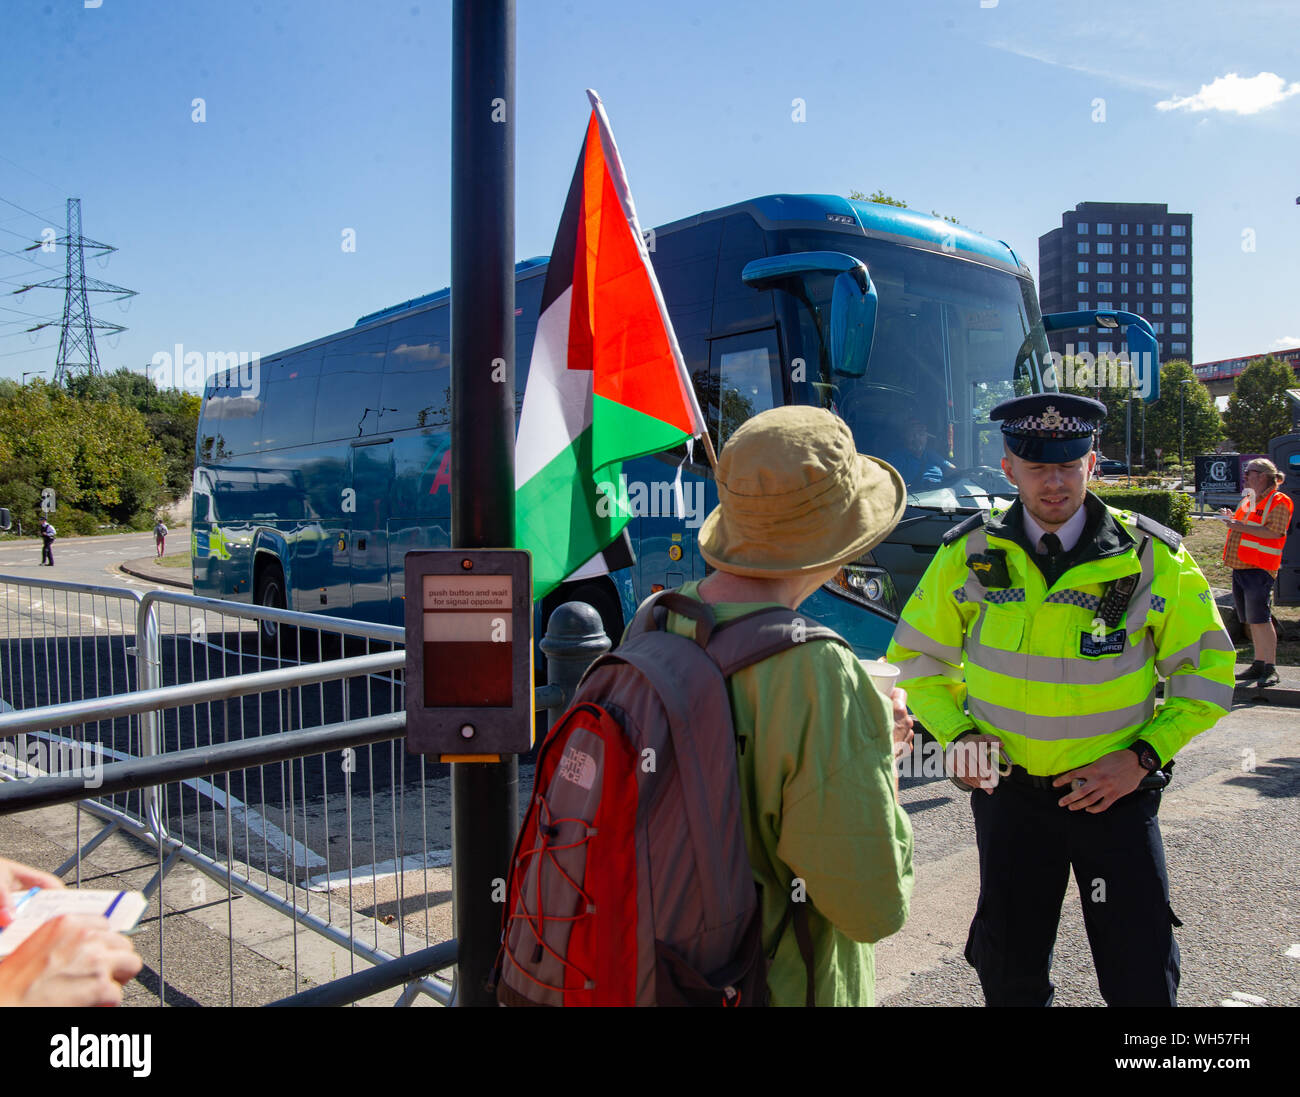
(630, 883)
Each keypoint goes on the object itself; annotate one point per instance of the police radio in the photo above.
(469, 653)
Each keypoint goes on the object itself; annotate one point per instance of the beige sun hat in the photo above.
(795, 496)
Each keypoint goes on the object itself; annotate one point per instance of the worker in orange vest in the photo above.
(1256, 534)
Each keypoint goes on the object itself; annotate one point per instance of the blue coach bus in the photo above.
(312, 483)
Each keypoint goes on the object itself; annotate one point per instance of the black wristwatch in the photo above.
(1146, 755)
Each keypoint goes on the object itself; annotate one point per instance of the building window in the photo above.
(1179, 308)
(1138, 229)
(1081, 228)
(1139, 308)
(1157, 230)
(1081, 306)
(1083, 247)
(1105, 305)
(1124, 305)
(1157, 268)
(1105, 249)
(1103, 229)
(1177, 249)
(1177, 230)
(1082, 268)
(1082, 348)
(1157, 308)
(1142, 286)
(1142, 249)
(1123, 287)
(1180, 348)
(1123, 230)
(1123, 249)
(1157, 249)
(1123, 268)
(1082, 287)
(1179, 288)
(1103, 268)
(1158, 327)
(1179, 328)
(1104, 287)
(1177, 268)
(1157, 287)
(1104, 347)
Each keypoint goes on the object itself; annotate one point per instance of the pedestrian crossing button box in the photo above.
(469, 653)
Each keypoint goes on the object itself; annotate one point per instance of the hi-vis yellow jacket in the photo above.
(1035, 665)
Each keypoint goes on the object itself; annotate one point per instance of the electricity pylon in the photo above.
(77, 341)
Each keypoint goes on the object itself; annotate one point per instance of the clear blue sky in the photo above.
(323, 115)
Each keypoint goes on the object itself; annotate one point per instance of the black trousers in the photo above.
(47, 550)
(1027, 845)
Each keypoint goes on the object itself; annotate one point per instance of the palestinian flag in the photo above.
(606, 382)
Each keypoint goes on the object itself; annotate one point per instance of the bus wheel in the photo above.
(276, 639)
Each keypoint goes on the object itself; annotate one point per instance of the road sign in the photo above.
(1159, 452)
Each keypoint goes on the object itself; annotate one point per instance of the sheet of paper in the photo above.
(39, 905)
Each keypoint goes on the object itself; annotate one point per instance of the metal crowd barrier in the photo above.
(203, 691)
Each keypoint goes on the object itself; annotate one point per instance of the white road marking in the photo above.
(1240, 998)
(369, 874)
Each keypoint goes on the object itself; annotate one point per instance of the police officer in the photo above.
(1035, 638)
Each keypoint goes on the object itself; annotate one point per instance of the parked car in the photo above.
(1108, 466)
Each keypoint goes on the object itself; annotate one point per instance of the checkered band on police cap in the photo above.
(1050, 422)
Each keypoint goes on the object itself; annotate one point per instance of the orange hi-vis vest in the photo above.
(1258, 551)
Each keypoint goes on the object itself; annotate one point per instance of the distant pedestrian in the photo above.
(159, 539)
(1256, 534)
(47, 543)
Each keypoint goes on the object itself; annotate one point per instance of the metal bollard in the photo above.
(574, 639)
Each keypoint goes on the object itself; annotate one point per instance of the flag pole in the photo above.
(618, 175)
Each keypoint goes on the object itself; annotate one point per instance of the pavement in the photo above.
(148, 568)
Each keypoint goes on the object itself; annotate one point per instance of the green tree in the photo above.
(884, 199)
(1258, 409)
(1202, 425)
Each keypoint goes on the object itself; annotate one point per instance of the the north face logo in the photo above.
(578, 767)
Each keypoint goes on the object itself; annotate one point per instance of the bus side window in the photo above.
(417, 372)
(745, 366)
(347, 402)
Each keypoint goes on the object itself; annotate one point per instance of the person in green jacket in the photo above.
(1031, 649)
(816, 740)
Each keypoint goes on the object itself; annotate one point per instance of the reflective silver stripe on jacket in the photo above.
(924, 666)
(1062, 671)
(1055, 728)
(908, 636)
(1196, 688)
(1210, 640)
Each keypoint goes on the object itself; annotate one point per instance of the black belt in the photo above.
(1021, 776)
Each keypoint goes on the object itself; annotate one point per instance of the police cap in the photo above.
(1049, 427)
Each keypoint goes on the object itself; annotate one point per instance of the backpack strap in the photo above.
(759, 635)
(798, 913)
(652, 615)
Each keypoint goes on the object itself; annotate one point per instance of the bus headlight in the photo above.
(867, 584)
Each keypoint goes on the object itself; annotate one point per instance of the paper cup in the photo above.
(884, 675)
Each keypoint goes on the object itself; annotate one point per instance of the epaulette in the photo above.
(1172, 540)
(970, 525)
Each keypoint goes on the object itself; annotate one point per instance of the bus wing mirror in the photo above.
(853, 322)
(1143, 350)
(853, 300)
